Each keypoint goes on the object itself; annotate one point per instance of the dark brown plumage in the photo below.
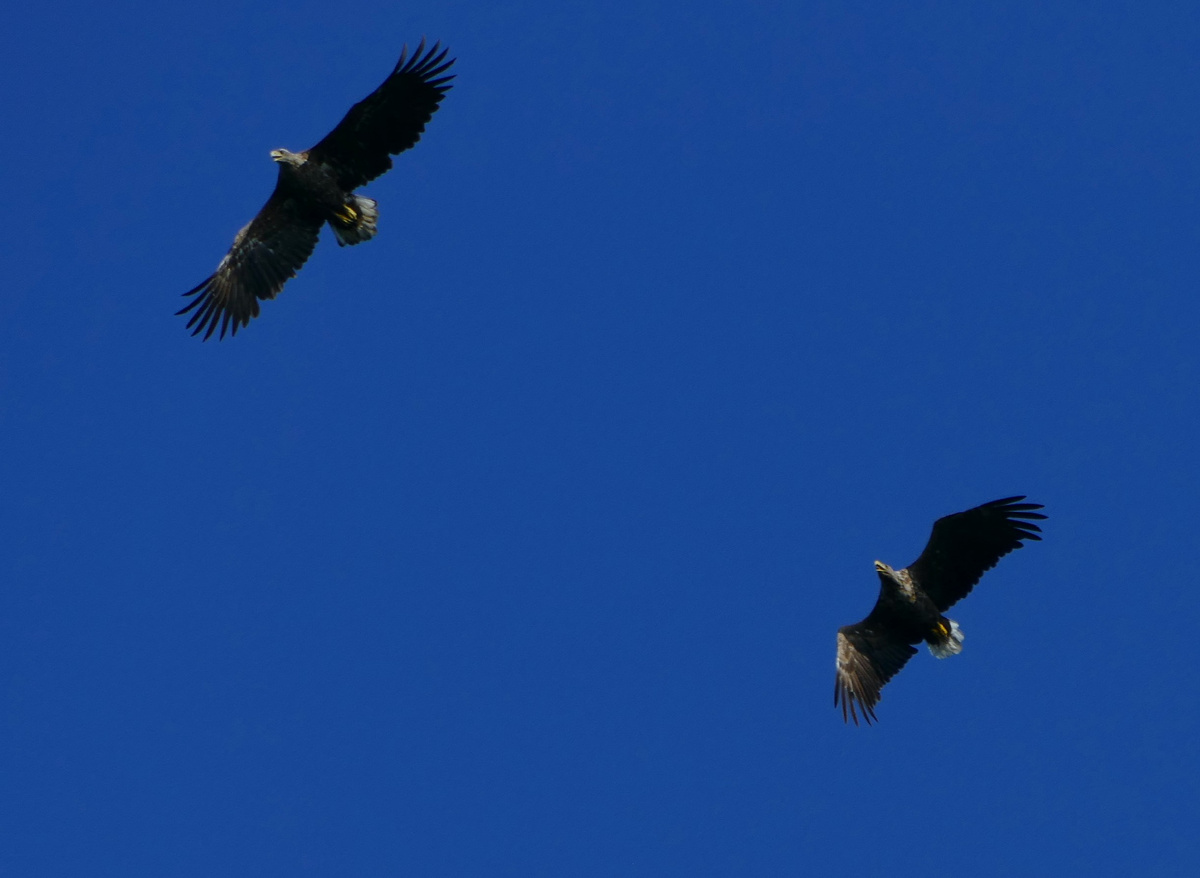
(911, 601)
(316, 187)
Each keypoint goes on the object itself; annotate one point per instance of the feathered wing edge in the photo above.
(427, 67)
(360, 146)
(866, 660)
(265, 255)
(213, 311)
(965, 545)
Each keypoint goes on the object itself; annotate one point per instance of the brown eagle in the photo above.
(961, 549)
(316, 187)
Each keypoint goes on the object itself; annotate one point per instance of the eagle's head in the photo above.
(289, 158)
(883, 570)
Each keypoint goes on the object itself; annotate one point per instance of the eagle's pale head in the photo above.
(883, 570)
(284, 157)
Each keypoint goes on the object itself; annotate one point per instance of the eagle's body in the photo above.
(313, 183)
(309, 181)
(317, 187)
(912, 601)
(912, 614)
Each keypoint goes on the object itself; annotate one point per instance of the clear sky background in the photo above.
(514, 542)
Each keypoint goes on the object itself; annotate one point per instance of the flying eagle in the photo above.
(961, 549)
(317, 187)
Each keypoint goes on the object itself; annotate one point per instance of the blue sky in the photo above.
(515, 541)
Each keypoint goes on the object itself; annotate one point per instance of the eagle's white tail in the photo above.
(358, 223)
(952, 645)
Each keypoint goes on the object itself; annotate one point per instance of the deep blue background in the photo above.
(514, 542)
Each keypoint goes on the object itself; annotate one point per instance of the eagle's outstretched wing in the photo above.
(264, 255)
(387, 121)
(965, 545)
(868, 655)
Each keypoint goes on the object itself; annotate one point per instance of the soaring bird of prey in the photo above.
(316, 187)
(962, 547)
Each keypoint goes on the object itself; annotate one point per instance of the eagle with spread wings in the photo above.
(962, 547)
(317, 187)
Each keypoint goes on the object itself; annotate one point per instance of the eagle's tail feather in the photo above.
(950, 642)
(356, 221)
